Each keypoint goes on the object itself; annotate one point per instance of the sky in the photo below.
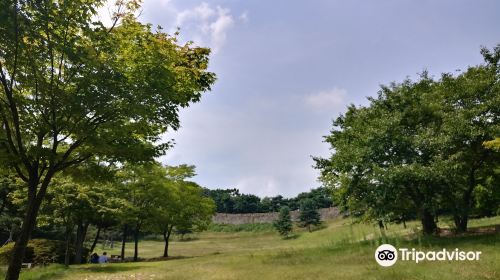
(286, 68)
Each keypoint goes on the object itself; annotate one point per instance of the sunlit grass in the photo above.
(341, 250)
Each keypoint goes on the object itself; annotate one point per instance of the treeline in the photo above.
(232, 201)
(421, 149)
(134, 199)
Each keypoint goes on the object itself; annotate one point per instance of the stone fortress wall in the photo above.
(253, 218)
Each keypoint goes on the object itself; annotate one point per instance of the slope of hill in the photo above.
(338, 251)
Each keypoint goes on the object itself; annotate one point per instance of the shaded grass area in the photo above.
(341, 250)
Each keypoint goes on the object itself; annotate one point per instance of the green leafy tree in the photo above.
(73, 89)
(284, 223)
(418, 147)
(180, 205)
(308, 214)
(197, 212)
(321, 196)
(142, 184)
(67, 204)
(382, 155)
(165, 214)
(469, 107)
(76, 206)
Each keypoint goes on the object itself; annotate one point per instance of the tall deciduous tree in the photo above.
(419, 147)
(187, 209)
(382, 157)
(143, 185)
(73, 89)
(470, 112)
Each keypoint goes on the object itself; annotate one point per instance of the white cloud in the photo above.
(218, 28)
(164, 3)
(327, 99)
(202, 12)
(258, 185)
(206, 24)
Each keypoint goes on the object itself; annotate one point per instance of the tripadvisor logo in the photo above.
(387, 255)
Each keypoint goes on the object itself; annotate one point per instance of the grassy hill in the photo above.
(338, 251)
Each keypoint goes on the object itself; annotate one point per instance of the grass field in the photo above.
(338, 251)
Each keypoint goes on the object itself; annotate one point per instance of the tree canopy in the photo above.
(73, 89)
(419, 149)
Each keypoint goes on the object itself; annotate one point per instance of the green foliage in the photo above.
(284, 223)
(176, 202)
(308, 214)
(493, 144)
(75, 91)
(232, 201)
(41, 252)
(10, 209)
(419, 149)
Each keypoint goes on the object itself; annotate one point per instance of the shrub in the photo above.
(308, 214)
(284, 223)
(41, 252)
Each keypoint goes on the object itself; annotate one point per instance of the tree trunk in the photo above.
(462, 217)
(136, 243)
(428, 223)
(69, 231)
(29, 222)
(380, 225)
(460, 222)
(166, 237)
(81, 232)
(124, 239)
(11, 234)
(17, 256)
(382, 228)
(96, 239)
(404, 223)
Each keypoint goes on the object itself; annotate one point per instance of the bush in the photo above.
(284, 223)
(42, 252)
(308, 214)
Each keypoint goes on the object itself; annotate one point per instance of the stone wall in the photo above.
(236, 219)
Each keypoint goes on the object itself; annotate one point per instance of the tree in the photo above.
(180, 204)
(76, 205)
(382, 155)
(73, 89)
(419, 147)
(321, 196)
(470, 114)
(224, 199)
(284, 223)
(143, 185)
(68, 204)
(308, 214)
(247, 203)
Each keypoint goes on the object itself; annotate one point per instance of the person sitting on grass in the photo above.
(94, 258)
(103, 258)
